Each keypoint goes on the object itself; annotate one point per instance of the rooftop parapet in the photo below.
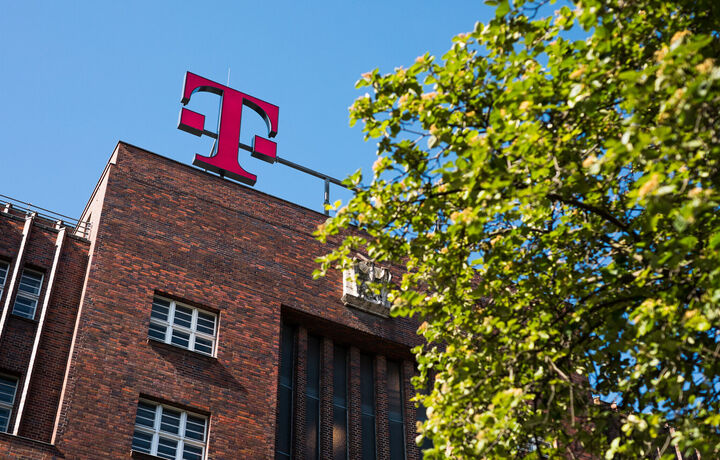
(46, 217)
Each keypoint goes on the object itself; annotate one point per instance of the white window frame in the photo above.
(156, 432)
(35, 298)
(170, 325)
(3, 280)
(9, 407)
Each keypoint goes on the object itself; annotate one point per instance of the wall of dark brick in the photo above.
(19, 333)
(14, 447)
(55, 341)
(168, 228)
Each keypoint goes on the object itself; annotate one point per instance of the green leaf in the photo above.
(556, 235)
(503, 8)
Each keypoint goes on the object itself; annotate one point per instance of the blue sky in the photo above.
(79, 76)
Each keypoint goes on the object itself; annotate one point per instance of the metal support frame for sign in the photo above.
(326, 179)
(224, 158)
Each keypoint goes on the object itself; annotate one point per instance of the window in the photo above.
(28, 294)
(286, 393)
(367, 406)
(168, 432)
(395, 411)
(8, 386)
(182, 326)
(3, 276)
(312, 398)
(340, 412)
(421, 416)
(315, 376)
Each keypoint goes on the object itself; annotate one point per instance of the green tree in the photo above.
(550, 187)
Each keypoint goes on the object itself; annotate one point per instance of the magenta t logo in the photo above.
(224, 159)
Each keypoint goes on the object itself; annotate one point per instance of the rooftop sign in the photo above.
(224, 160)
(224, 156)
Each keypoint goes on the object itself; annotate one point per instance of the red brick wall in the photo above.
(170, 228)
(19, 333)
(55, 342)
(26, 449)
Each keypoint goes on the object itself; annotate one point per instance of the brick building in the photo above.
(183, 322)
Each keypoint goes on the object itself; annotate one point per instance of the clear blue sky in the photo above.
(79, 76)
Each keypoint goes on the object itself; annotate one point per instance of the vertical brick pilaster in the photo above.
(326, 404)
(413, 451)
(383, 430)
(300, 400)
(354, 409)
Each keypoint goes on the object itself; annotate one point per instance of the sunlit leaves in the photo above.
(550, 185)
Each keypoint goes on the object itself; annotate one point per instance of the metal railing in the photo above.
(327, 179)
(75, 226)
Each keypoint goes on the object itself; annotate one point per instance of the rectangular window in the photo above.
(340, 412)
(396, 421)
(3, 275)
(169, 433)
(367, 406)
(28, 294)
(183, 326)
(312, 398)
(306, 372)
(286, 393)
(421, 416)
(8, 387)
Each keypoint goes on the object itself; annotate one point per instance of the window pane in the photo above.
(284, 441)
(394, 391)
(339, 403)
(368, 437)
(195, 428)
(340, 377)
(198, 337)
(145, 415)
(192, 452)
(171, 439)
(3, 274)
(312, 429)
(166, 448)
(287, 356)
(367, 405)
(312, 398)
(170, 421)
(142, 441)
(397, 441)
(181, 339)
(4, 419)
(367, 384)
(157, 331)
(203, 345)
(339, 433)
(30, 283)
(24, 306)
(160, 309)
(313, 367)
(286, 389)
(395, 411)
(421, 416)
(27, 295)
(7, 390)
(206, 323)
(183, 316)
